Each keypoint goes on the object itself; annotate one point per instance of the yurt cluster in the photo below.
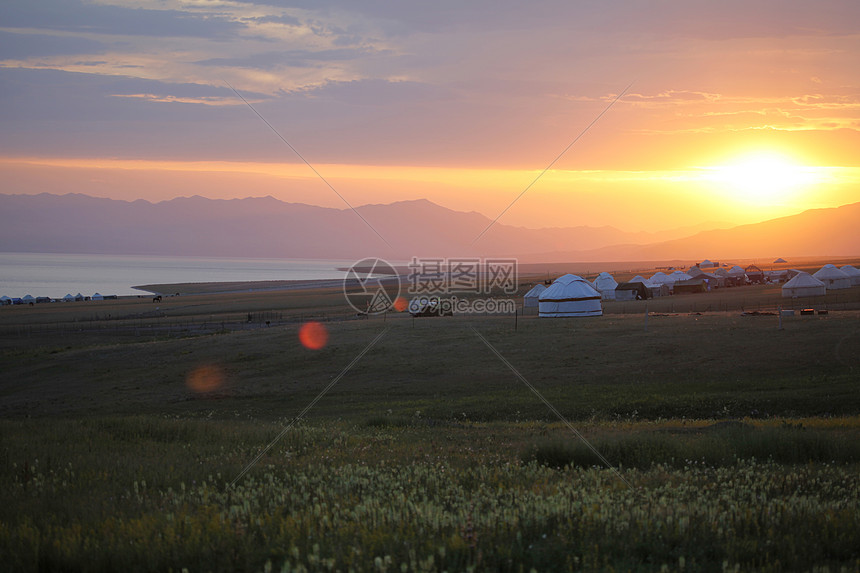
(828, 277)
(572, 295)
(31, 300)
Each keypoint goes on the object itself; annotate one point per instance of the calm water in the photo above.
(54, 275)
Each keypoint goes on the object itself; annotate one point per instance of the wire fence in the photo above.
(160, 325)
(163, 326)
(692, 304)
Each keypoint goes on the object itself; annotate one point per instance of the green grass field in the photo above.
(733, 444)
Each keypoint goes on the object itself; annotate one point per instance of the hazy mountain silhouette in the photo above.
(813, 233)
(817, 232)
(269, 228)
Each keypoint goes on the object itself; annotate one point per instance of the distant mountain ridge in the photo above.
(268, 228)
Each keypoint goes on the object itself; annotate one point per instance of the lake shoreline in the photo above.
(54, 275)
(238, 287)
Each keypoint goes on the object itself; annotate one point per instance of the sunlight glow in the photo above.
(764, 178)
(728, 189)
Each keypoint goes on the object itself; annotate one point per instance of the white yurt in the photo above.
(832, 277)
(655, 288)
(68, 298)
(680, 276)
(570, 296)
(605, 284)
(28, 298)
(5, 300)
(737, 276)
(803, 284)
(660, 278)
(706, 264)
(852, 272)
(98, 296)
(530, 299)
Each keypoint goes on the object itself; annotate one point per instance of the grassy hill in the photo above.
(140, 435)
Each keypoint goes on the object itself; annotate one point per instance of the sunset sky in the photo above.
(737, 112)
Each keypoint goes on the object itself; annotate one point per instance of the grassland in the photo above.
(734, 444)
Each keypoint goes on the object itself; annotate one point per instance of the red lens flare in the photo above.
(313, 335)
(205, 379)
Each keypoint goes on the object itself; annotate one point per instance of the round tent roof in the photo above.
(535, 290)
(530, 299)
(830, 271)
(736, 271)
(604, 281)
(833, 277)
(780, 260)
(605, 285)
(643, 280)
(570, 296)
(802, 279)
(660, 278)
(803, 284)
(568, 279)
(853, 273)
(680, 276)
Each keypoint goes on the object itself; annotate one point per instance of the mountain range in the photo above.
(268, 228)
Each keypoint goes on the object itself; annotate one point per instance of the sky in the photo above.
(643, 115)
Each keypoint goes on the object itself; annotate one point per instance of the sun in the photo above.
(762, 178)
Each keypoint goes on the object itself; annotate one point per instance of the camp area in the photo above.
(153, 412)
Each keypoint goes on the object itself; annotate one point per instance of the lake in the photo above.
(55, 275)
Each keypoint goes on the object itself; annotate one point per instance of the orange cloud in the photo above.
(214, 101)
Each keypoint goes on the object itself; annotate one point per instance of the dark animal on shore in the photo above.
(156, 298)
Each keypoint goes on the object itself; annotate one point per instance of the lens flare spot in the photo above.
(205, 379)
(400, 304)
(313, 335)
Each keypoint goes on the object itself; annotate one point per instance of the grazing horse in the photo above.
(156, 298)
